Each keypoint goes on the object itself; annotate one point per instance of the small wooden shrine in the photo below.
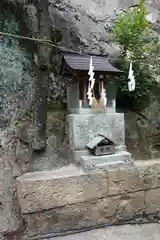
(76, 67)
(92, 120)
(101, 146)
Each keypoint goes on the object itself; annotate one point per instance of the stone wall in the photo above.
(89, 198)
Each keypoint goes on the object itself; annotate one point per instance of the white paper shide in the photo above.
(91, 82)
(103, 95)
(131, 83)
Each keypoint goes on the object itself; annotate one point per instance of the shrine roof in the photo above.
(81, 62)
(96, 140)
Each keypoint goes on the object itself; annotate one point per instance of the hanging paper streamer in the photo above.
(131, 83)
(91, 82)
(91, 76)
(103, 99)
(103, 95)
(91, 68)
(89, 94)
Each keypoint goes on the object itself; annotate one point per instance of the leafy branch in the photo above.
(130, 30)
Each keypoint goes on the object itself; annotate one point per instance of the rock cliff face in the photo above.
(16, 76)
(83, 25)
(76, 24)
(15, 81)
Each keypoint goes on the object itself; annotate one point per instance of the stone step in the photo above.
(100, 161)
(79, 153)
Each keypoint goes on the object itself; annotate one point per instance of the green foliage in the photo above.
(130, 30)
(130, 27)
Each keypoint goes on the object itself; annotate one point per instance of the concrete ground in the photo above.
(127, 232)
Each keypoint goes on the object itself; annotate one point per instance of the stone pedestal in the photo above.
(84, 127)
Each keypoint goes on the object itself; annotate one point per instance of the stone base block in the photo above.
(50, 189)
(72, 198)
(102, 161)
(83, 215)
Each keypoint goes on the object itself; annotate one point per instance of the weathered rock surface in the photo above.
(83, 25)
(15, 82)
(10, 220)
(143, 133)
